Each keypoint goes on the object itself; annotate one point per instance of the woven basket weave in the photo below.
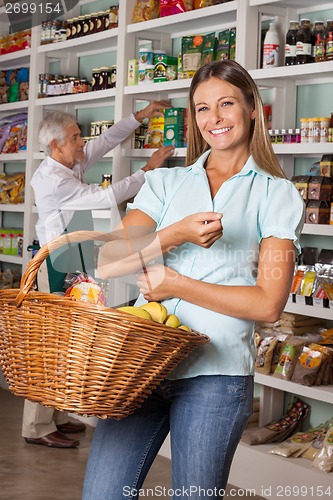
(78, 357)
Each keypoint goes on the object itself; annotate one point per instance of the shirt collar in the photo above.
(75, 171)
(249, 167)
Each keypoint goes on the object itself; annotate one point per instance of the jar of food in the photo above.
(304, 129)
(324, 126)
(84, 85)
(113, 17)
(329, 40)
(93, 23)
(79, 26)
(99, 22)
(86, 25)
(113, 76)
(69, 29)
(74, 27)
(95, 79)
(106, 180)
(104, 78)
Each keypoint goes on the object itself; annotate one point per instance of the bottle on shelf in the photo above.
(290, 46)
(329, 40)
(271, 47)
(304, 43)
(319, 41)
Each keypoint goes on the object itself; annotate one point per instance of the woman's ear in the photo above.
(253, 114)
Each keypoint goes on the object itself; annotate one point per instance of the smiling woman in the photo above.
(227, 226)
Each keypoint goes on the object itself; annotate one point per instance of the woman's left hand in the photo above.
(158, 282)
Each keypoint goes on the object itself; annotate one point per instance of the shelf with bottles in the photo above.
(89, 44)
(199, 20)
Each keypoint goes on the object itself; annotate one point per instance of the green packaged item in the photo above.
(165, 68)
(223, 45)
(232, 44)
(174, 127)
(208, 51)
(192, 47)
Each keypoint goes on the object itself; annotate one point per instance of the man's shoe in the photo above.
(54, 440)
(71, 428)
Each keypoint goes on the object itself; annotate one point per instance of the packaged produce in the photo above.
(288, 358)
(324, 459)
(264, 355)
(85, 289)
(223, 45)
(144, 10)
(155, 132)
(12, 188)
(208, 49)
(165, 68)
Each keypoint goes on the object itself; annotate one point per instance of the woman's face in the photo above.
(222, 115)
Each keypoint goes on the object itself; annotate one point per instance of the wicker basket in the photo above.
(82, 358)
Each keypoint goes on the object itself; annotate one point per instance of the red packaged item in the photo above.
(170, 7)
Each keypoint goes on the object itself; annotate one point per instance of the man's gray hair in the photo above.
(53, 127)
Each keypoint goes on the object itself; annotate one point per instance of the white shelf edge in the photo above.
(146, 153)
(79, 44)
(11, 207)
(20, 156)
(315, 312)
(11, 106)
(171, 86)
(173, 23)
(296, 72)
(101, 214)
(318, 229)
(301, 149)
(11, 259)
(77, 98)
(303, 5)
(21, 55)
(273, 476)
(320, 393)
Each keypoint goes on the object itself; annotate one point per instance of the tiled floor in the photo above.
(29, 472)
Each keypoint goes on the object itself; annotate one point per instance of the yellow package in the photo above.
(144, 10)
(156, 131)
(308, 283)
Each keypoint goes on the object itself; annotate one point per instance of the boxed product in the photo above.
(301, 183)
(317, 212)
(174, 127)
(155, 132)
(326, 166)
(133, 71)
(165, 68)
(319, 188)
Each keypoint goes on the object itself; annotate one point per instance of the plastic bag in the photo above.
(144, 10)
(170, 7)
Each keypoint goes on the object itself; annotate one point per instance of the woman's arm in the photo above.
(262, 302)
(137, 244)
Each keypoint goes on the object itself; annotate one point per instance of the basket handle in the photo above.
(35, 263)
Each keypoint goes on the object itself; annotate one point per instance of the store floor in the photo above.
(30, 472)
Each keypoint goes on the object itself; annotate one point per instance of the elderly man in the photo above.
(64, 204)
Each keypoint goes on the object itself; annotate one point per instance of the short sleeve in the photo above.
(282, 212)
(151, 197)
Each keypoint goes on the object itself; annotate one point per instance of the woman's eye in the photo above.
(227, 103)
(203, 108)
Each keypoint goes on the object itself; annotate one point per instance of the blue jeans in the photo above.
(205, 415)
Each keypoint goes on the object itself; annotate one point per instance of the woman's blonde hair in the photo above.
(259, 140)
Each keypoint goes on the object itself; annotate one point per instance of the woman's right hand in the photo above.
(202, 229)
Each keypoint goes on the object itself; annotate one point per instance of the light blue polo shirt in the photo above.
(254, 205)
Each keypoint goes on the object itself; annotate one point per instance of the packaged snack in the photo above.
(288, 358)
(264, 355)
(208, 50)
(170, 7)
(191, 54)
(144, 10)
(174, 127)
(223, 45)
(298, 444)
(307, 366)
(85, 289)
(324, 459)
(156, 131)
(232, 44)
(277, 431)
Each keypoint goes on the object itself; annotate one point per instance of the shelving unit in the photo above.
(258, 468)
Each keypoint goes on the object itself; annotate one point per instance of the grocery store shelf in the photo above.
(146, 153)
(313, 150)
(22, 106)
(318, 229)
(15, 59)
(21, 156)
(320, 72)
